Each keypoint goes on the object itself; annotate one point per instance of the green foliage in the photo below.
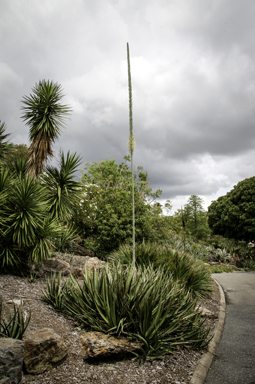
(15, 153)
(55, 292)
(45, 115)
(219, 269)
(193, 219)
(30, 225)
(249, 265)
(22, 207)
(3, 143)
(233, 215)
(36, 211)
(190, 272)
(105, 211)
(15, 324)
(146, 306)
(63, 193)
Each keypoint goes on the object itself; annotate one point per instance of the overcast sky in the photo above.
(193, 79)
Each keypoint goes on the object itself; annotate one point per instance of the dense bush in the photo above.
(233, 215)
(34, 213)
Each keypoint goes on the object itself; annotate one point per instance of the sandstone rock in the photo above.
(205, 312)
(44, 349)
(77, 272)
(56, 266)
(98, 345)
(81, 251)
(93, 262)
(11, 360)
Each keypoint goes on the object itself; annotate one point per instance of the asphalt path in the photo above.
(234, 362)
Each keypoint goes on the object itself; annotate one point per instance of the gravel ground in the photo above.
(172, 369)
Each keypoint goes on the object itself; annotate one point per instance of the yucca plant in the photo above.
(63, 192)
(3, 143)
(15, 324)
(45, 115)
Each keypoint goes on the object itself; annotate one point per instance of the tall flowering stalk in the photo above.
(131, 145)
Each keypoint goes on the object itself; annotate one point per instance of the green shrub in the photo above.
(55, 292)
(219, 269)
(182, 267)
(145, 305)
(249, 264)
(15, 324)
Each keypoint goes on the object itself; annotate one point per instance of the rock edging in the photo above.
(205, 362)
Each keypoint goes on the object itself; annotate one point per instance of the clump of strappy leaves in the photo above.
(145, 305)
(16, 322)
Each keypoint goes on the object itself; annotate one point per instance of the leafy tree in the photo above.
(105, 212)
(45, 115)
(233, 215)
(194, 218)
(15, 153)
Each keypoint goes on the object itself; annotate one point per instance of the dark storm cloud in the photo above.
(193, 82)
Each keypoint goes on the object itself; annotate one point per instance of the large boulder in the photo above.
(75, 265)
(11, 360)
(44, 349)
(97, 345)
(55, 266)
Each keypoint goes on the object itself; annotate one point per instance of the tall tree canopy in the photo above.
(45, 115)
(233, 215)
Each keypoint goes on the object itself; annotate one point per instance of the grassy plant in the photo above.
(148, 306)
(15, 324)
(55, 293)
(182, 267)
(32, 278)
(219, 269)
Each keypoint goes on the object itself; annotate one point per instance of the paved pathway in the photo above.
(235, 360)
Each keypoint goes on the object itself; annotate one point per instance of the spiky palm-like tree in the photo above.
(45, 115)
(4, 146)
(63, 192)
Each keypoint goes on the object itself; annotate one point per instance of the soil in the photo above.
(171, 369)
